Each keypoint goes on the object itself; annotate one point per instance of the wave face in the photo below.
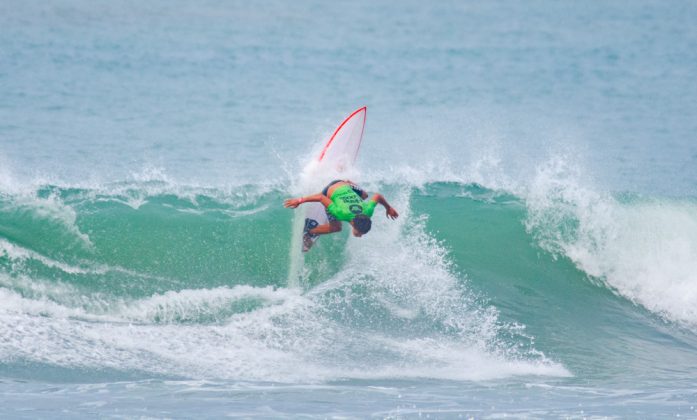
(150, 278)
(153, 279)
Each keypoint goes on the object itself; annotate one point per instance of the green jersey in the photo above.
(346, 204)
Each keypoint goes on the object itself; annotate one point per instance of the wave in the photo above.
(193, 285)
(151, 276)
(643, 248)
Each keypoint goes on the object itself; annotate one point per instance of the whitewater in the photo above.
(541, 156)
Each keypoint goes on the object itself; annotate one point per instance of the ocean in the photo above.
(542, 156)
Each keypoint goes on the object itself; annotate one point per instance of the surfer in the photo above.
(344, 201)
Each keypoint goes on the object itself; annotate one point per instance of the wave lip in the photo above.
(644, 249)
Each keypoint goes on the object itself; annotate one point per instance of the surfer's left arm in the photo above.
(295, 202)
(389, 210)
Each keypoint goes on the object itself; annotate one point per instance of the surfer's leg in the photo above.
(331, 227)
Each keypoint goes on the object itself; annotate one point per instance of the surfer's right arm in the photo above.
(295, 202)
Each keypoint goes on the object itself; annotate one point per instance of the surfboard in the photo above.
(335, 160)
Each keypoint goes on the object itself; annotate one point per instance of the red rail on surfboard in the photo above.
(349, 132)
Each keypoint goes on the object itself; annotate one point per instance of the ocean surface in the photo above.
(542, 155)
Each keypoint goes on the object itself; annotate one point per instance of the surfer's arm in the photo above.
(390, 211)
(317, 198)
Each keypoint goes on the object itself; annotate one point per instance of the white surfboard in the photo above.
(337, 158)
(335, 161)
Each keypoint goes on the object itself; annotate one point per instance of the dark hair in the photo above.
(362, 223)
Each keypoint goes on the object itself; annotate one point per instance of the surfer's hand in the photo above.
(392, 213)
(291, 203)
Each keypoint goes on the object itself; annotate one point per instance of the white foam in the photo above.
(17, 305)
(18, 253)
(453, 360)
(175, 306)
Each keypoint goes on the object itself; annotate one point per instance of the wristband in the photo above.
(300, 200)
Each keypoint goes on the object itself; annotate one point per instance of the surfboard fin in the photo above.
(307, 242)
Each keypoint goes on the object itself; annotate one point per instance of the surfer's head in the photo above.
(361, 225)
